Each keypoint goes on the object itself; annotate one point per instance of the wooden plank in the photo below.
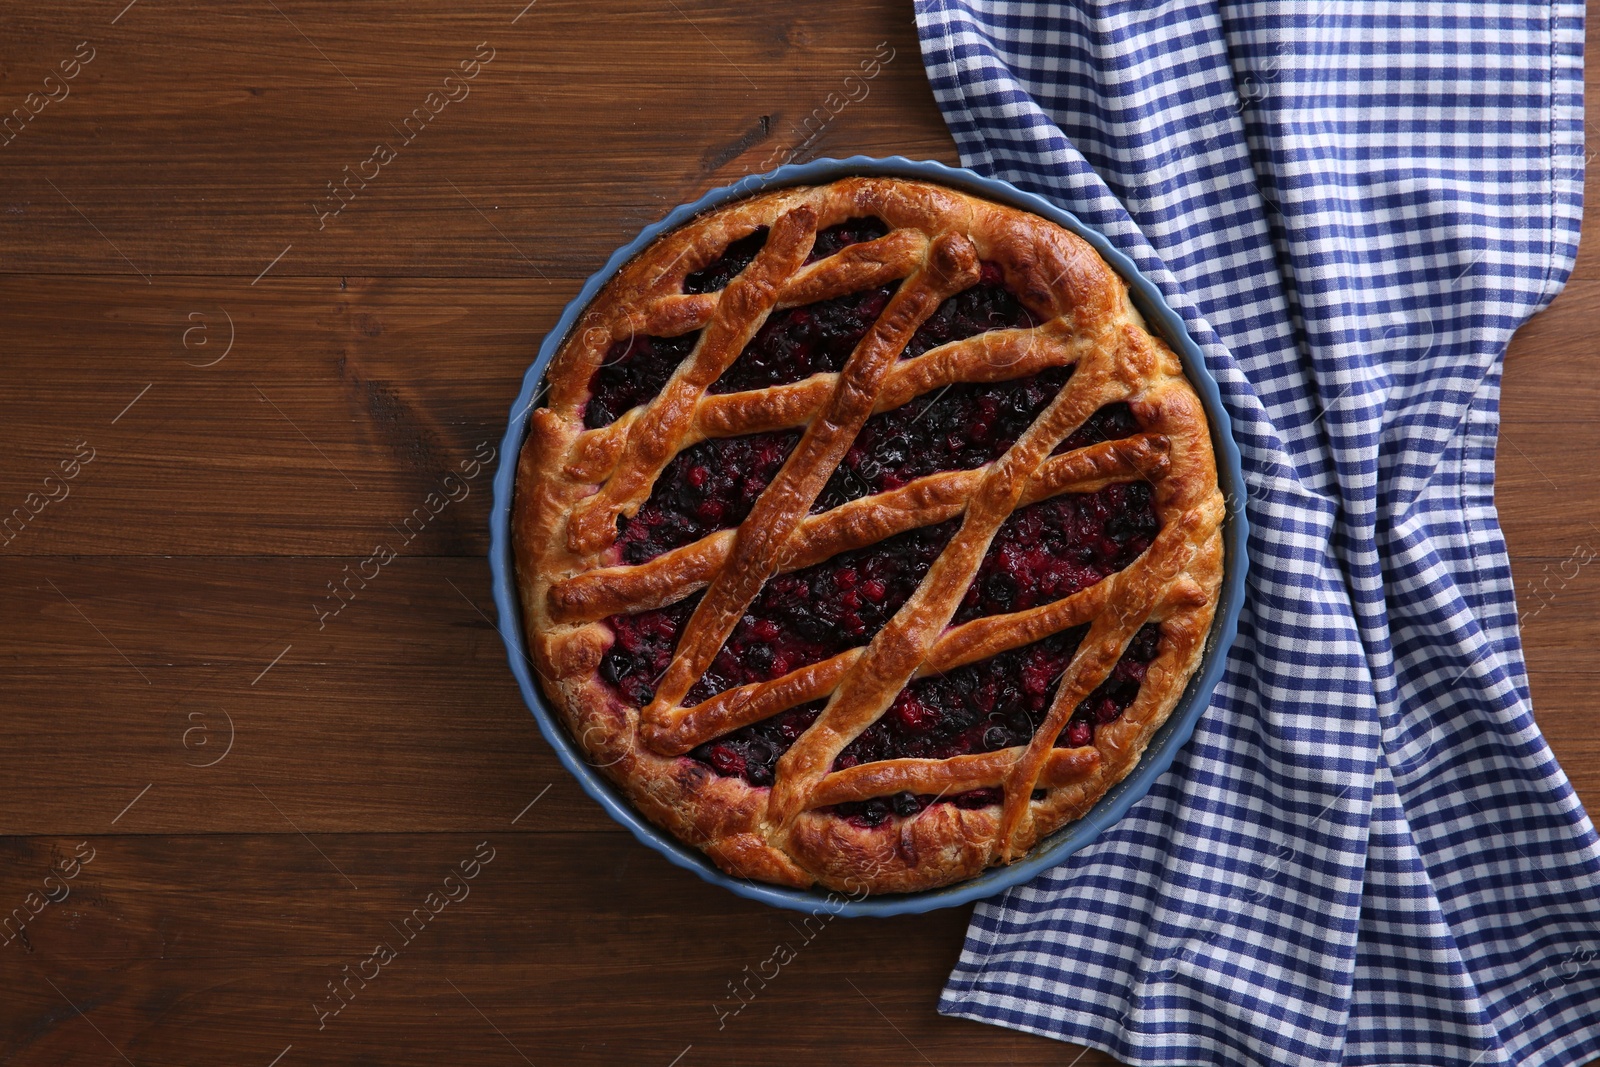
(1563, 705)
(316, 746)
(577, 132)
(567, 948)
(232, 615)
(340, 406)
(1545, 487)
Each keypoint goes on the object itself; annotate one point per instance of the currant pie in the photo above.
(865, 534)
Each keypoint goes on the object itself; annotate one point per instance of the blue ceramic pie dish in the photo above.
(1165, 743)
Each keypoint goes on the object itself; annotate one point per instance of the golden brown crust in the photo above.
(572, 484)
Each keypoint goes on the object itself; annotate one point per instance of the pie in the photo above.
(864, 533)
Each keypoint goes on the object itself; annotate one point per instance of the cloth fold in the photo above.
(1367, 854)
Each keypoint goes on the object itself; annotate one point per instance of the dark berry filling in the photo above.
(751, 752)
(995, 703)
(849, 232)
(963, 426)
(1050, 550)
(874, 812)
(799, 342)
(643, 648)
(722, 270)
(796, 343)
(992, 704)
(870, 813)
(808, 615)
(706, 487)
(1111, 423)
(739, 255)
(989, 305)
(798, 618)
(633, 372)
(1113, 696)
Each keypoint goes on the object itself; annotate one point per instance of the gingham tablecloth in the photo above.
(1367, 854)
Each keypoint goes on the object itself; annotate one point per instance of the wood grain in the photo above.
(220, 948)
(206, 158)
(268, 394)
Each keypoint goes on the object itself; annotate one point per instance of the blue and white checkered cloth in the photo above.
(1367, 854)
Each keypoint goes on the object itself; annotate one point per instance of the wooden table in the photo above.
(242, 347)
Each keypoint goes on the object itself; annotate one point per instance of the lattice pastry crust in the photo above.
(574, 483)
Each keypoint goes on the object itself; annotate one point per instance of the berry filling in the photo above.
(722, 270)
(795, 343)
(957, 428)
(870, 813)
(738, 255)
(643, 648)
(632, 373)
(1111, 423)
(806, 616)
(992, 704)
(751, 752)
(706, 487)
(989, 305)
(849, 232)
(798, 618)
(811, 614)
(798, 342)
(1050, 550)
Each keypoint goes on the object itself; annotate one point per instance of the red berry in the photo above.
(727, 761)
(913, 714)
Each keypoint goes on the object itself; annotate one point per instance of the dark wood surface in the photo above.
(169, 599)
